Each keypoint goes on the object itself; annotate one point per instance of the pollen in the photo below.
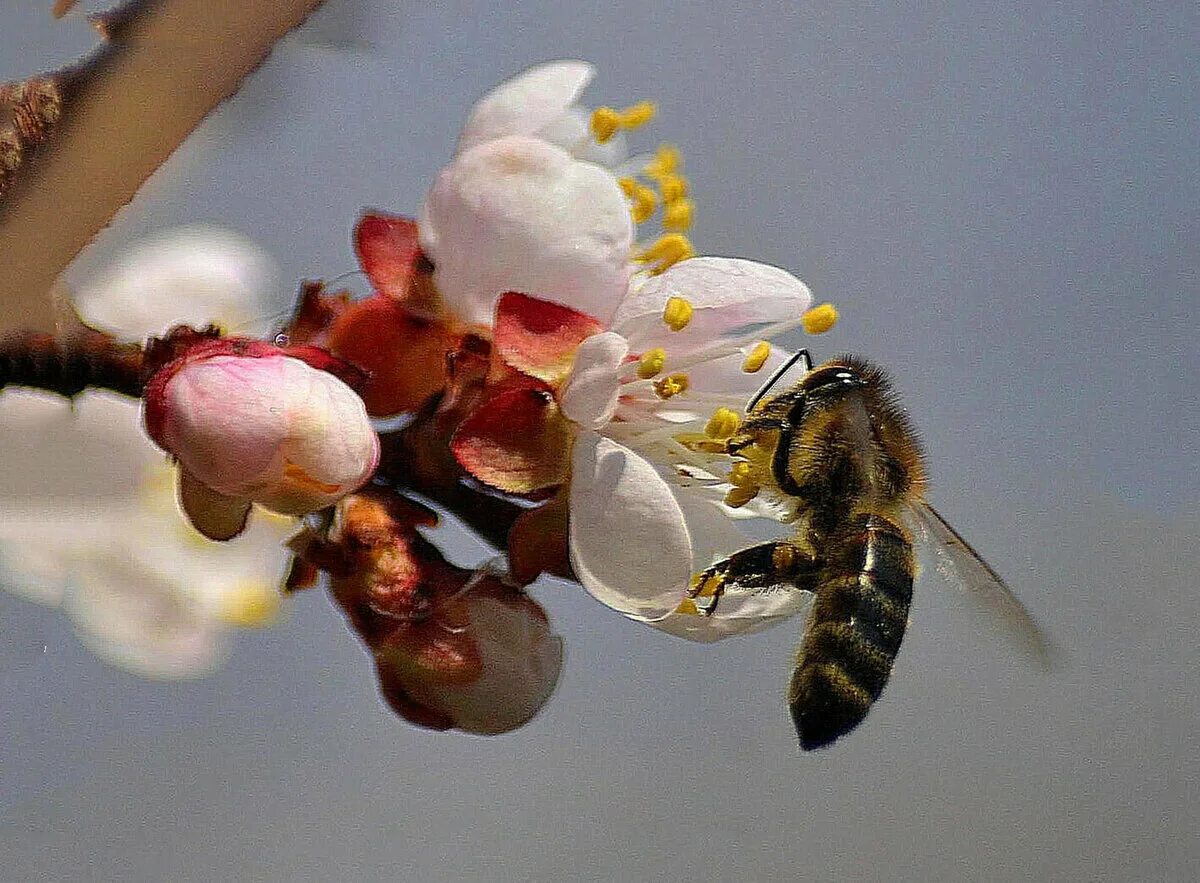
(639, 114)
(695, 441)
(666, 251)
(677, 215)
(741, 476)
(711, 586)
(722, 424)
(651, 363)
(739, 496)
(667, 160)
(820, 319)
(671, 385)
(757, 357)
(642, 199)
(673, 187)
(784, 558)
(250, 604)
(688, 607)
(606, 122)
(677, 313)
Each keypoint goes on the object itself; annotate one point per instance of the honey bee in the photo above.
(839, 451)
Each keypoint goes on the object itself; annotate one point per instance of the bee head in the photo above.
(832, 380)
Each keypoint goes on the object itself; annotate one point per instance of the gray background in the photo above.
(1002, 200)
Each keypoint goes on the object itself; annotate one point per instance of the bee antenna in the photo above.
(802, 355)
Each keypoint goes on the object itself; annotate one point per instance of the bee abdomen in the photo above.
(857, 624)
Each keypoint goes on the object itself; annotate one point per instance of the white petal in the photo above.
(716, 536)
(572, 132)
(734, 300)
(590, 395)
(194, 275)
(134, 620)
(522, 659)
(518, 214)
(707, 629)
(525, 103)
(712, 383)
(629, 543)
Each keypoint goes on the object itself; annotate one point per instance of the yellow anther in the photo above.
(666, 251)
(677, 215)
(672, 187)
(739, 496)
(638, 114)
(250, 604)
(696, 441)
(677, 313)
(741, 475)
(820, 319)
(667, 160)
(605, 123)
(711, 586)
(628, 186)
(722, 424)
(671, 385)
(651, 363)
(644, 203)
(688, 607)
(757, 357)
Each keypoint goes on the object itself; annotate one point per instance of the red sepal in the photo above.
(538, 337)
(405, 354)
(517, 439)
(389, 252)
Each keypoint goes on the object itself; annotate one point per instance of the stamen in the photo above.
(688, 607)
(667, 160)
(694, 441)
(677, 215)
(711, 586)
(757, 357)
(738, 497)
(723, 423)
(820, 319)
(677, 313)
(741, 476)
(665, 252)
(644, 204)
(250, 604)
(605, 123)
(671, 385)
(651, 363)
(672, 187)
(638, 114)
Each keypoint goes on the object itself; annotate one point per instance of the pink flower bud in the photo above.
(249, 424)
(486, 662)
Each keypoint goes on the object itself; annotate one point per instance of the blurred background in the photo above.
(1002, 200)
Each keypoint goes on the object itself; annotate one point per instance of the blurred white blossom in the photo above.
(88, 518)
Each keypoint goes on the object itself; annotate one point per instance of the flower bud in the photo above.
(250, 424)
(485, 663)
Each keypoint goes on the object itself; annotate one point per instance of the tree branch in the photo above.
(83, 140)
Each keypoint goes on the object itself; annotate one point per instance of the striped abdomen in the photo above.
(855, 629)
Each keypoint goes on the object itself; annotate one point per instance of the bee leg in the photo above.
(771, 566)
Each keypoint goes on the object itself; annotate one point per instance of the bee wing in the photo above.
(961, 565)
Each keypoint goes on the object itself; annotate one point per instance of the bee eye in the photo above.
(831, 380)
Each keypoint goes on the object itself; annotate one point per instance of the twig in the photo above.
(75, 155)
